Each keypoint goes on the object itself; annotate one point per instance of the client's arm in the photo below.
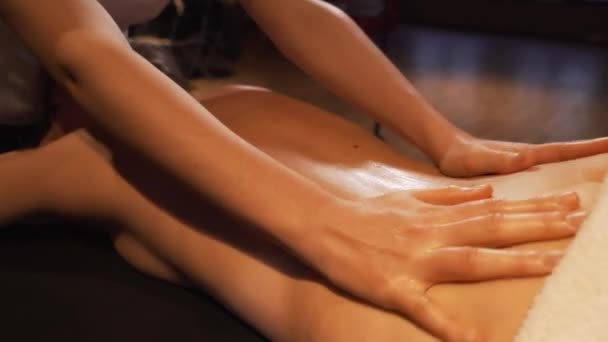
(380, 255)
(330, 47)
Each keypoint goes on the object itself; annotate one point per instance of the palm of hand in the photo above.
(391, 257)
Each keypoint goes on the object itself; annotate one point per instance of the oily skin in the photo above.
(127, 100)
(151, 233)
(434, 234)
(294, 308)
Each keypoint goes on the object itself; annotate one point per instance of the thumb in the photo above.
(454, 194)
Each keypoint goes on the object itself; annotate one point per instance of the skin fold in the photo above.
(163, 232)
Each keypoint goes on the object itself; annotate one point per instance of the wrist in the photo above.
(308, 239)
(434, 135)
(331, 229)
(443, 137)
(299, 223)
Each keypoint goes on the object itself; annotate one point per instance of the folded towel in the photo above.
(573, 303)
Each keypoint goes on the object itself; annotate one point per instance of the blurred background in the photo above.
(524, 70)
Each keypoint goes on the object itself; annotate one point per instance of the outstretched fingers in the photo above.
(454, 194)
(500, 230)
(554, 152)
(469, 264)
(565, 202)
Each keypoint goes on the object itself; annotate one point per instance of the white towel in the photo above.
(573, 304)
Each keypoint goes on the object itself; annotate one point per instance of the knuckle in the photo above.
(516, 161)
(495, 205)
(524, 155)
(550, 219)
(527, 262)
(436, 237)
(470, 256)
(496, 219)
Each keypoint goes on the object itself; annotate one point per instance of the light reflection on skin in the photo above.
(369, 179)
(372, 179)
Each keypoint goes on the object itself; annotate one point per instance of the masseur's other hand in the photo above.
(391, 256)
(470, 156)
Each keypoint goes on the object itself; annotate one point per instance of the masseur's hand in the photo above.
(469, 156)
(391, 256)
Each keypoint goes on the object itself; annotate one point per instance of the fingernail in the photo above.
(551, 259)
(576, 219)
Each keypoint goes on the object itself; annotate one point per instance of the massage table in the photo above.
(64, 282)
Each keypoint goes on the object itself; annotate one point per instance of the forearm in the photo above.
(331, 48)
(134, 103)
(153, 115)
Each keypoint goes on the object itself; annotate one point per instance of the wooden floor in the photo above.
(498, 87)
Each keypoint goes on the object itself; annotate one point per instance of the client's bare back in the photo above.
(345, 159)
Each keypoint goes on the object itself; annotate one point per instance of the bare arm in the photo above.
(127, 97)
(326, 43)
(380, 255)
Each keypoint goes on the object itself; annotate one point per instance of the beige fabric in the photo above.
(574, 301)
